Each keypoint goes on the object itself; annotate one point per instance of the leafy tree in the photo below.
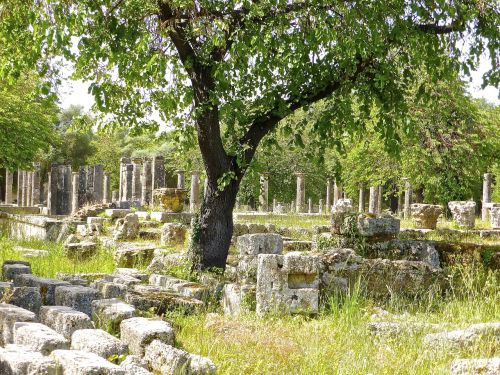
(26, 122)
(235, 69)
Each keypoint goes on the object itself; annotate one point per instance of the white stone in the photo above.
(64, 319)
(463, 338)
(425, 215)
(98, 342)
(137, 333)
(20, 360)
(109, 313)
(173, 233)
(495, 217)
(260, 243)
(135, 365)
(116, 213)
(464, 213)
(166, 359)
(9, 315)
(201, 365)
(38, 337)
(77, 362)
(126, 228)
(479, 366)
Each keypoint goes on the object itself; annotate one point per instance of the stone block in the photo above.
(476, 366)
(237, 298)
(46, 286)
(20, 360)
(38, 337)
(172, 217)
(78, 362)
(183, 287)
(27, 297)
(464, 213)
(109, 313)
(10, 270)
(78, 297)
(166, 359)
(80, 250)
(9, 315)
(121, 279)
(132, 272)
(135, 365)
(463, 338)
(116, 213)
(297, 246)
(31, 253)
(64, 320)
(378, 228)
(126, 228)
(138, 333)
(200, 365)
(148, 297)
(288, 283)
(425, 215)
(131, 254)
(109, 289)
(173, 234)
(98, 342)
(261, 243)
(495, 217)
(96, 220)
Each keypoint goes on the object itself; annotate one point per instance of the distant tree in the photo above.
(27, 117)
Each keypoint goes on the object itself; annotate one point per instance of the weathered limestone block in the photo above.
(173, 233)
(126, 228)
(378, 228)
(426, 215)
(138, 333)
(135, 365)
(109, 313)
(166, 359)
(11, 268)
(31, 253)
(38, 337)
(162, 261)
(148, 297)
(80, 250)
(200, 365)
(249, 247)
(110, 289)
(237, 298)
(495, 217)
(378, 277)
(479, 366)
(183, 287)
(414, 250)
(297, 246)
(340, 210)
(116, 213)
(464, 213)
(27, 297)
(98, 342)
(132, 254)
(463, 338)
(78, 297)
(121, 279)
(20, 360)
(170, 199)
(46, 286)
(77, 362)
(9, 315)
(132, 272)
(288, 283)
(64, 320)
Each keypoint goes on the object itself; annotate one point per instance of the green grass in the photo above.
(338, 341)
(55, 262)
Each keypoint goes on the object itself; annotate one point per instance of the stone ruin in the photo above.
(464, 213)
(425, 216)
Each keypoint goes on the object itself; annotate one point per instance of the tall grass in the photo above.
(55, 262)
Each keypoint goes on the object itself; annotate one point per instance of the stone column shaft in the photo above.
(264, 192)
(487, 180)
(123, 171)
(20, 178)
(328, 195)
(127, 188)
(310, 206)
(136, 179)
(106, 188)
(361, 203)
(372, 203)
(9, 180)
(75, 186)
(35, 186)
(181, 179)
(301, 192)
(194, 197)
(147, 182)
(158, 171)
(407, 206)
(379, 199)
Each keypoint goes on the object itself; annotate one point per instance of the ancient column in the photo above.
(407, 206)
(321, 208)
(337, 193)
(25, 188)
(301, 192)
(379, 199)
(60, 190)
(20, 177)
(264, 192)
(127, 188)
(82, 186)
(9, 180)
(106, 188)
(75, 187)
(274, 204)
(98, 183)
(181, 179)
(292, 207)
(115, 196)
(147, 182)
(35, 186)
(361, 203)
(158, 170)
(310, 206)
(194, 197)
(136, 179)
(487, 179)
(328, 195)
(373, 199)
(123, 171)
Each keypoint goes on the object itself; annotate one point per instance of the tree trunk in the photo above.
(216, 224)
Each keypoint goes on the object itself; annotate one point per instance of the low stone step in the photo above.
(9, 315)
(78, 297)
(150, 234)
(130, 254)
(109, 289)
(132, 272)
(109, 313)
(162, 301)
(297, 246)
(78, 362)
(183, 287)
(64, 319)
(98, 342)
(46, 286)
(38, 337)
(138, 332)
(11, 268)
(20, 360)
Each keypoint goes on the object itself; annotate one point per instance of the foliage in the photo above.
(26, 122)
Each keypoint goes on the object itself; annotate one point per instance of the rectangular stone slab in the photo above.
(9, 314)
(38, 337)
(64, 319)
(78, 362)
